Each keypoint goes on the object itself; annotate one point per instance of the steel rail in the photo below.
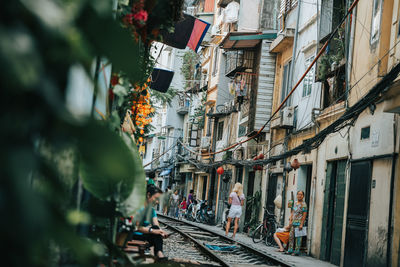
(262, 254)
(199, 244)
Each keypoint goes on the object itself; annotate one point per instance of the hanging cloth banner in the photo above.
(161, 79)
(200, 29)
(189, 32)
(183, 30)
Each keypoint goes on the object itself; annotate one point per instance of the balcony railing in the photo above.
(238, 61)
(183, 107)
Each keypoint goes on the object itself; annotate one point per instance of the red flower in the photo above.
(110, 94)
(128, 19)
(114, 80)
(141, 16)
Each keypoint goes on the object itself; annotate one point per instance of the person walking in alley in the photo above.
(190, 197)
(174, 204)
(166, 200)
(236, 200)
(297, 217)
(182, 208)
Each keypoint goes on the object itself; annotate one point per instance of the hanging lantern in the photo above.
(220, 171)
(295, 164)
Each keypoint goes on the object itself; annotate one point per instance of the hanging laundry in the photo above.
(232, 87)
(243, 87)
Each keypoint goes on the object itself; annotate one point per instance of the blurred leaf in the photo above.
(112, 41)
(120, 90)
(137, 197)
(20, 61)
(76, 217)
(109, 168)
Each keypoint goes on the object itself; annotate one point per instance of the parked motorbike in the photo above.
(225, 216)
(191, 211)
(205, 213)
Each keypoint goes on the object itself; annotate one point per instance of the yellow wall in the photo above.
(365, 55)
(396, 216)
(281, 59)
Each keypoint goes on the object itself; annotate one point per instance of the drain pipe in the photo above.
(390, 221)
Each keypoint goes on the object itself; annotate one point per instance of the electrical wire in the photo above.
(347, 119)
(159, 156)
(294, 88)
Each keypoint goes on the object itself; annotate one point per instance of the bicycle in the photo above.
(266, 229)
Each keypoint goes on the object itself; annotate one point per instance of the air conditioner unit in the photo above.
(205, 141)
(287, 117)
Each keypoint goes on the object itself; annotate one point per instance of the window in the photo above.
(376, 20)
(286, 81)
(215, 62)
(295, 117)
(286, 6)
(332, 12)
(308, 80)
(194, 135)
(220, 130)
(365, 132)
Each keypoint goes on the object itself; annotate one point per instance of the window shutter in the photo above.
(282, 9)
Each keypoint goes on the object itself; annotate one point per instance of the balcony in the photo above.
(183, 107)
(238, 61)
(282, 41)
(182, 110)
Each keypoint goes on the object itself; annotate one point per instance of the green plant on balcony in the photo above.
(334, 57)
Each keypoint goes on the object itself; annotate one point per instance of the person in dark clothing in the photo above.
(148, 228)
(190, 197)
(152, 175)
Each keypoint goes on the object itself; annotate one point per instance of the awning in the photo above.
(241, 40)
(165, 172)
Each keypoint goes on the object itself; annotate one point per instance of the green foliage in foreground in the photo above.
(63, 181)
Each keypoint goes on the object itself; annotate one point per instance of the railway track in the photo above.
(231, 253)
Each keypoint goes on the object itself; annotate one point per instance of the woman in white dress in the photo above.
(236, 200)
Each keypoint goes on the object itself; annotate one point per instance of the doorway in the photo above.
(332, 220)
(250, 191)
(205, 180)
(271, 192)
(239, 174)
(357, 214)
(304, 182)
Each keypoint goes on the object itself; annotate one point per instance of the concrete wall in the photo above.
(249, 16)
(381, 134)
(306, 48)
(269, 15)
(379, 213)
